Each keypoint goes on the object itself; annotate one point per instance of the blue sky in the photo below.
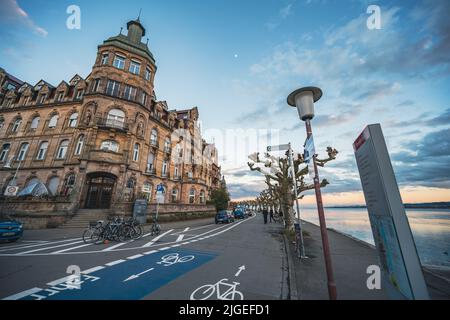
(238, 60)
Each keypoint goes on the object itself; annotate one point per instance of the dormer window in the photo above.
(43, 97)
(26, 100)
(148, 73)
(135, 67)
(60, 96)
(105, 58)
(119, 62)
(79, 94)
(8, 102)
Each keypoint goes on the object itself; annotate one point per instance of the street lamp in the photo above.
(303, 99)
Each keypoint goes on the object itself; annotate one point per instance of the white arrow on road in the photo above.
(241, 268)
(134, 276)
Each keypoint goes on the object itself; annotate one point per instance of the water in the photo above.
(430, 228)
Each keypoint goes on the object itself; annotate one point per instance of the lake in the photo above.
(430, 228)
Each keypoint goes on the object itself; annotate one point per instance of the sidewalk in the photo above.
(350, 258)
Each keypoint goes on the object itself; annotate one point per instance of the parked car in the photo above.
(239, 213)
(223, 216)
(10, 229)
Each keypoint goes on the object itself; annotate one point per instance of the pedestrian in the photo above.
(271, 216)
(265, 213)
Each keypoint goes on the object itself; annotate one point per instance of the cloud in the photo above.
(12, 12)
(442, 119)
(283, 14)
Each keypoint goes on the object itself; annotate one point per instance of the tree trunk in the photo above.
(288, 212)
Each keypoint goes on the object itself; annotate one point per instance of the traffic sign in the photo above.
(160, 188)
(280, 147)
(310, 149)
(11, 191)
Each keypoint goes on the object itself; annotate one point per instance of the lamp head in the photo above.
(303, 99)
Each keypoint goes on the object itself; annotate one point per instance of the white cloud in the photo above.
(11, 11)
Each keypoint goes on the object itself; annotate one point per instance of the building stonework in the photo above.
(104, 141)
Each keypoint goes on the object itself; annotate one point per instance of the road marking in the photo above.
(35, 245)
(117, 245)
(150, 252)
(135, 256)
(46, 248)
(72, 248)
(113, 263)
(22, 294)
(58, 281)
(177, 245)
(135, 276)
(241, 268)
(156, 239)
(180, 237)
(92, 269)
(162, 249)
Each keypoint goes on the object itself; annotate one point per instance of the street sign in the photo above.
(160, 193)
(160, 188)
(280, 147)
(310, 149)
(401, 270)
(11, 191)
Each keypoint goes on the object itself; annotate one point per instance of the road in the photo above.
(241, 260)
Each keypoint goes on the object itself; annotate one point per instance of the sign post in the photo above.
(401, 269)
(160, 195)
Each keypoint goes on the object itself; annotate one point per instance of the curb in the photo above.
(293, 293)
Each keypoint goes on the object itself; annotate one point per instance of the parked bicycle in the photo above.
(116, 229)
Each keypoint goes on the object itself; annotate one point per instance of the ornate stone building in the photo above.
(103, 141)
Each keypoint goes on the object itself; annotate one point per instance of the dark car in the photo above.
(10, 229)
(223, 217)
(239, 213)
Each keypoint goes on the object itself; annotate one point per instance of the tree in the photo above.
(279, 181)
(220, 198)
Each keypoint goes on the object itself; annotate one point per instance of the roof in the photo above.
(123, 42)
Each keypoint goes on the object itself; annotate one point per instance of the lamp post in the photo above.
(303, 99)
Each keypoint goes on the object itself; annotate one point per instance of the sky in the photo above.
(237, 60)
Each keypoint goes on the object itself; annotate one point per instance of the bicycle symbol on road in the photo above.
(173, 258)
(206, 291)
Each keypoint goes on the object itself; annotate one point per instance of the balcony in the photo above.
(112, 124)
(150, 169)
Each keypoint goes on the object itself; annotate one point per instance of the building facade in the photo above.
(104, 141)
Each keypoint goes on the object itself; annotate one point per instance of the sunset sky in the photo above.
(238, 60)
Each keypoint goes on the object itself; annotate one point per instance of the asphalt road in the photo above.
(200, 260)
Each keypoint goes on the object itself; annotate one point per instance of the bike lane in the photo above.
(128, 279)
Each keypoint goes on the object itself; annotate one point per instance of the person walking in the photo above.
(265, 213)
(271, 216)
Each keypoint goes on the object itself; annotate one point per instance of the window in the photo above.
(176, 172)
(119, 62)
(96, 85)
(60, 96)
(23, 151)
(26, 100)
(4, 151)
(147, 191)
(129, 93)
(62, 150)
(148, 73)
(113, 88)
(53, 184)
(53, 121)
(79, 94)
(35, 122)
(105, 58)
(110, 145)
(73, 120)
(154, 137)
(202, 196)
(192, 196)
(8, 102)
(16, 125)
(174, 195)
(135, 67)
(116, 118)
(43, 97)
(136, 152)
(2, 122)
(131, 183)
(144, 98)
(69, 184)
(164, 168)
(150, 160)
(167, 145)
(79, 146)
(42, 150)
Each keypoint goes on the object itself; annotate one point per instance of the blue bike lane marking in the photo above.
(130, 280)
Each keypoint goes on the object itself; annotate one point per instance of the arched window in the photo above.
(69, 184)
(53, 121)
(202, 196)
(147, 191)
(52, 186)
(174, 196)
(79, 146)
(73, 120)
(150, 162)
(32, 181)
(131, 183)
(165, 168)
(110, 145)
(136, 152)
(116, 118)
(192, 195)
(35, 122)
(4, 152)
(42, 150)
(23, 151)
(167, 145)
(154, 137)
(62, 150)
(16, 125)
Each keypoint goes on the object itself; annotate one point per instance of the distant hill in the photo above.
(427, 205)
